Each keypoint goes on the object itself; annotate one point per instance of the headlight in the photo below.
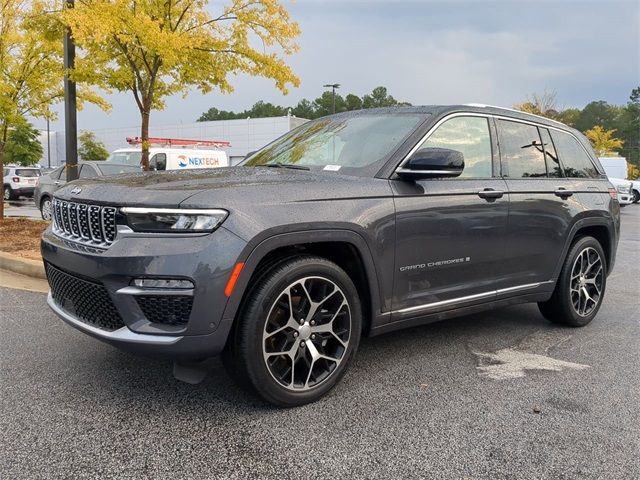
(623, 189)
(173, 220)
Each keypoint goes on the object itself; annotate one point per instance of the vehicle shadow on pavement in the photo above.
(419, 354)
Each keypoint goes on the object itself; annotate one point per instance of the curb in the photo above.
(24, 266)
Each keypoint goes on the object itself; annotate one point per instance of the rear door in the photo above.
(450, 233)
(542, 204)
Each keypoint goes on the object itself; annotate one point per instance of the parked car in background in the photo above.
(625, 190)
(19, 181)
(49, 183)
(616, 168)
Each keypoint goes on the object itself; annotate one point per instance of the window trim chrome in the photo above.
(494, 117)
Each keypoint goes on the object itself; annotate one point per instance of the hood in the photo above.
(222, 187)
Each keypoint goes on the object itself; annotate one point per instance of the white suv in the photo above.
(19, 181)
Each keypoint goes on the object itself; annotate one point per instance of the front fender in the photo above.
(258, 249)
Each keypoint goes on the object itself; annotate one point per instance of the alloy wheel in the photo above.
(587, 278)
(306, 333)
(46, 209)
(7, 193)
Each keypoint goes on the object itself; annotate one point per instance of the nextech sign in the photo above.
(185, 161)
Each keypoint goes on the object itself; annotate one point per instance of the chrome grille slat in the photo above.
(91, 225)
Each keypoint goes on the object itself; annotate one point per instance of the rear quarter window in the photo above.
(575, 160)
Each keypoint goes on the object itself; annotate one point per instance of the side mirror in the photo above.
(432, 163)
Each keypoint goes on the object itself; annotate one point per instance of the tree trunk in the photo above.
(3, 142)
(144, 134)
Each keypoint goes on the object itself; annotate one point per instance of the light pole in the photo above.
(333, 87)
(70, 111)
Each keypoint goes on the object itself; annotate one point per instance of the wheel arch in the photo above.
(602, 229)
(344, 247)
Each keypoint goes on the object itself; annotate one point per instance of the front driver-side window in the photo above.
(469, 135)
(158, 162)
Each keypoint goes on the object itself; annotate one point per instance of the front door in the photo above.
(450, 233)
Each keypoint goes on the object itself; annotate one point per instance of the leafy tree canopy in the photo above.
(157, 48)
(91, 148)
(23, 145)
(321, 106)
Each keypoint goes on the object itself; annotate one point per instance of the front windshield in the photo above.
(116, 169)
(128, 158)
(344, 144)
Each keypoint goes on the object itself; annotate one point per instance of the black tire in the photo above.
(43, 207)
(636, 196)
(569, 305)
(245, 356)
(8, 193)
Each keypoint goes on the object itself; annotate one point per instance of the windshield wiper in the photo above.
(292, 166)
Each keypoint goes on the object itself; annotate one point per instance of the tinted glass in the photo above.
(554, 169)
(574, 159)
(56, 173)
(345, 144)
(27, 172)
(470, 136)
(521, 150)
(158, 161)
(116, 169)
(128, 158)
(87, 171)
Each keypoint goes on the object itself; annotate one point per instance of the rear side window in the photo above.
(554, 170)
(521, 150)
(56, 173)
(469, 135)
(574, 159)
(27, 172)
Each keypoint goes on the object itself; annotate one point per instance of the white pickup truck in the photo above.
(616, 170)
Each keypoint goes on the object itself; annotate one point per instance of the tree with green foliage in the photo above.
(603, 141)
(321, 106)
(23, 145)
(154, 49)
(353, 102)
(91, 148)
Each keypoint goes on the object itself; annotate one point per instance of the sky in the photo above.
(433, 52)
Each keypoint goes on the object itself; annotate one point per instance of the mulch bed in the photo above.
(21, 237)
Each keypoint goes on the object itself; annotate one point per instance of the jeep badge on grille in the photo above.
(76, 190)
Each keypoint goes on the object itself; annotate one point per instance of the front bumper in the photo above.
(625, 198)
(207, 260)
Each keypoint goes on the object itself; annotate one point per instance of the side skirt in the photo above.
(458, 312)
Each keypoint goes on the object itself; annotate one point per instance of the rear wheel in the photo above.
(45, 208)
(297, 331)
(8, 193)
(580, 289)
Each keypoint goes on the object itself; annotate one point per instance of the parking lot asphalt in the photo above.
(22, 207)
(502, 394)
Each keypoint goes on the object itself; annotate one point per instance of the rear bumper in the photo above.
(27, 191)
(205, 260)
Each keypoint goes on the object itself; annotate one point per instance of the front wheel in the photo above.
(580, 289)
(297, 331)
(45, 208)
(636, 196)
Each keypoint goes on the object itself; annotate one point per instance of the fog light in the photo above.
(163, 283)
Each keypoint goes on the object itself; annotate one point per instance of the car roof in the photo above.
(441, 110)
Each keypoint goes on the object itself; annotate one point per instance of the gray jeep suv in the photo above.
(354, 224)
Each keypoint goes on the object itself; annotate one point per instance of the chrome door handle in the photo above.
(563, 192)
(490, 193)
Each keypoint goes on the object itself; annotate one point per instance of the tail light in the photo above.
(15, 179)
(613, 193)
